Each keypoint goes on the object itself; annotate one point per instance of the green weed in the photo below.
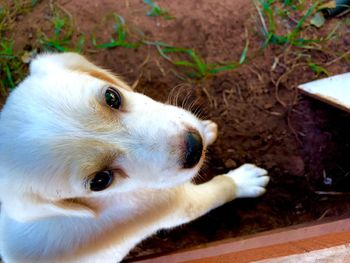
(293, 36)
(282, 28)
(120, 31)
(318, 70)
(196, 66)
(157, 11)
(3, 19)
(12, 69)
(7, 54)
(61, 40)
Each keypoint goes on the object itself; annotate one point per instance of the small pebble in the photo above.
(230, 164)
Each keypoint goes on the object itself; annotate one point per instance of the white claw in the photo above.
(250, 180)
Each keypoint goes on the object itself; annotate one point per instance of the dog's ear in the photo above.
(30, 207)
(49, 63)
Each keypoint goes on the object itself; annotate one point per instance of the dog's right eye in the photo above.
(113, 98)
(101, 180)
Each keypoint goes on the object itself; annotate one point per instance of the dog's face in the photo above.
(71, 131)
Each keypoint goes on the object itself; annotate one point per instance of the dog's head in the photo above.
(72, 130)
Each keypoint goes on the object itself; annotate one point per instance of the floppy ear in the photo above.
(30, 207)
(50, 62)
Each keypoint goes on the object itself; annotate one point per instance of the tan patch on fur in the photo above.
(121, 173)
(103, 112)
(76, 204)
(105, 76)
(89, 155)
(100, 162)
(102, 76)
(103, 118)
(115, 234)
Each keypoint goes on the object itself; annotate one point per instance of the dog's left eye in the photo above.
(101, 180)
(113, 98)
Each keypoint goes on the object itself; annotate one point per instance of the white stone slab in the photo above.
(334, 90)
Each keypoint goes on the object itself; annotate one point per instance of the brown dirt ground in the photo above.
(298, 140)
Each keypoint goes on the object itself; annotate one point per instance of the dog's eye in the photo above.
(101, 180)
(113, 98)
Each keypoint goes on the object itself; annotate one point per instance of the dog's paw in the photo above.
(210, 129)
(250, 180)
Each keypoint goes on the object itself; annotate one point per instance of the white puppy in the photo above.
(89, 168)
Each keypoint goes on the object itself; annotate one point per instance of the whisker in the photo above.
(183, 96)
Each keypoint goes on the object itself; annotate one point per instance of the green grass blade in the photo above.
(301, 22)
(318, 69)
(121, 36)
(162, 54)
(130, 45)
(244, 53)
(157, 11)
(184, 63)
(58, 24)
(267, 8)
(80, 44)
(155, 43)
(223, 68)
(332, 32)
(201, 66)
(111, 44)
(9, 76)
(170, 49)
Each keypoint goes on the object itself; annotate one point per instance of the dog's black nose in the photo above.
(194, 148)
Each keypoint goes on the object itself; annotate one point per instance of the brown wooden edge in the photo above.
(270, 244)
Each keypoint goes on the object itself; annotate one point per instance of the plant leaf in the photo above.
(318, 69)
(244, 52)
(223, 68)
(318, 20)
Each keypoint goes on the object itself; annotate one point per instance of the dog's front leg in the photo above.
(195, 200)
(192, 201)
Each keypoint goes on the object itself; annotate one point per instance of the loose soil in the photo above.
(304, 144)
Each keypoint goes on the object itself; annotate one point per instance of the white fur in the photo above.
(56, 132)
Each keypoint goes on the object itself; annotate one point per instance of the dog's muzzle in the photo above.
(193, 150)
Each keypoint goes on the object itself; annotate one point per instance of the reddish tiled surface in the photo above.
(289, 248)
(278, 243)
(338, 254)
